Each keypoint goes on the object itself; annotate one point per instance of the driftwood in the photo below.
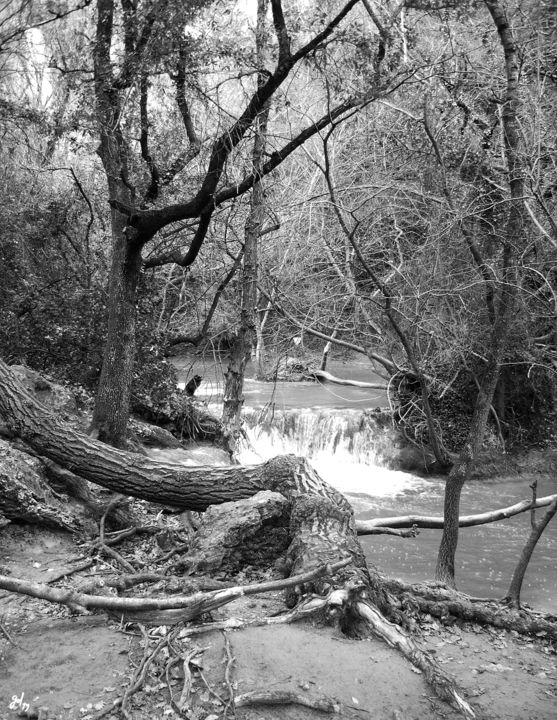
(369, 527)
(131, 609)
(324, 376)
(287, 697)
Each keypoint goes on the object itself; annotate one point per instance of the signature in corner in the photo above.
(18, 704)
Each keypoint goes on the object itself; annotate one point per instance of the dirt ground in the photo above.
(56, 666)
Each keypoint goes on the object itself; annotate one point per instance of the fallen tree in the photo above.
(186, 488)
(322, 530)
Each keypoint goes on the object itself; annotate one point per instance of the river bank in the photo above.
(67, 668)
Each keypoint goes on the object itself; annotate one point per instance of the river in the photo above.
(323, 423)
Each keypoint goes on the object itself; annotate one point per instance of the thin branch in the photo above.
(437, 523)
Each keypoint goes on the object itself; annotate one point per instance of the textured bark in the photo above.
(246, 338)
(193, 488)
(113, 396)
(323, 534)
(241, 533)
(445, 603)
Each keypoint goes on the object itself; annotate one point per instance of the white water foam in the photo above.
(345, 447)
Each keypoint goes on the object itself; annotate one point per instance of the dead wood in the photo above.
(234, 535)
(287, 697)
(437, 678)
(191, 606)
(193, 488)
(324, 376)
(368, 527)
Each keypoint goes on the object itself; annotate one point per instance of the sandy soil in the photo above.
(68, 668)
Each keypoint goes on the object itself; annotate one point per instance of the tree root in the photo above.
(442, 602)
(442, 683)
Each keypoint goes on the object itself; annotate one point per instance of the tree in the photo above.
(504, 301)
(138, 214)
(245, 341)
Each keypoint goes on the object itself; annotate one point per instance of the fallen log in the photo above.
(184, 487)
(322, 530)
(287, 697)
(368, 527)
(324, 376)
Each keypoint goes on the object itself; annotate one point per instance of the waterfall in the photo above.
(350, 449)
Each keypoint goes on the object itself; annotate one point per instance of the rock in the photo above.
(25, 494)
(153, 435)
(55, 397)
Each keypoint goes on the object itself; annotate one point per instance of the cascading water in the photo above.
(349, 449)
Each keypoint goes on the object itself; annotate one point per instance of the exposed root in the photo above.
(394, 636)
(227, 672)
(442, 602)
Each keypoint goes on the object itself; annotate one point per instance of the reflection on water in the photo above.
(324, 423)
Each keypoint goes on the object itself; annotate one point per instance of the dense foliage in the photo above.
(387, 224)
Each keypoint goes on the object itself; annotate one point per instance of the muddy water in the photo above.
(322, 423)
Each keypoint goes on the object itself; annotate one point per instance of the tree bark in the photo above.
(113, 396)
(192, 488)
(424, 521)
(513, 594)
(246, 338)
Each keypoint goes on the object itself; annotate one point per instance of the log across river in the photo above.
(323, 423)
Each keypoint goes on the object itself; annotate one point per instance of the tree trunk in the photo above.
(110, 417)
(513, 240)
(461, 470)
(193, 488)
(112, 403)
(246, 339)
(513, 594)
